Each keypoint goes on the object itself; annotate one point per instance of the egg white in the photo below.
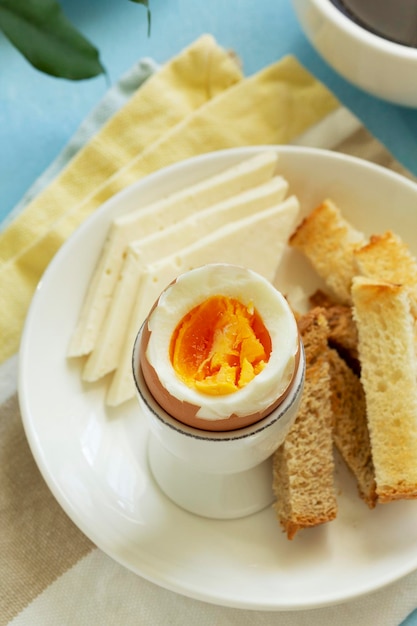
(251, 289)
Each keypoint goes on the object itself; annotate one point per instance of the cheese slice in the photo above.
(104, 358)
(158, 215)
(256, 242)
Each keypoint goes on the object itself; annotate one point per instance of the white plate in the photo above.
(94, 459)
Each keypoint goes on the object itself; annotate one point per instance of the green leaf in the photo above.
(48, 40)
(145, 4)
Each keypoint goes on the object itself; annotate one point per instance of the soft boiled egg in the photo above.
(219, 348)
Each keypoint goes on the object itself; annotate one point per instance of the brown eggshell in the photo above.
(185, 412)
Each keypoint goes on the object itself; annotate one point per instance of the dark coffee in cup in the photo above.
(395, 20)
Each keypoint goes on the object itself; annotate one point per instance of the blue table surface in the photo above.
(39, 114)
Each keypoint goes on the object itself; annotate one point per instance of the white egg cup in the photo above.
(222, 475)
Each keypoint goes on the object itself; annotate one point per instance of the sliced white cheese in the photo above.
(137, 224)
(256, 242)
(105, 356)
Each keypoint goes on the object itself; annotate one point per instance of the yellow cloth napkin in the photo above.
(273, 106)
(197, 74)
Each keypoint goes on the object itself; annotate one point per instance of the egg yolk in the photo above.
(220, 346)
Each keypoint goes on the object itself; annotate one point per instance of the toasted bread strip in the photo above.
(386, 257)
(343, 334)
(321, 299)
(350, 426)
(328, 241)
(389, 376)
(303, 466)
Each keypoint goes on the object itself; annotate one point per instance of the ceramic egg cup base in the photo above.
(212, 495)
